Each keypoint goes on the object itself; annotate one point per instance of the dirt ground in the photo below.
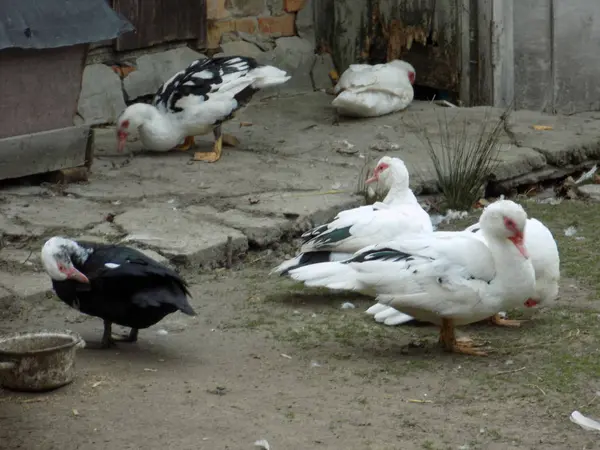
(268, 359)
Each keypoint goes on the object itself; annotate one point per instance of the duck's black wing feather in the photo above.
(203, 77)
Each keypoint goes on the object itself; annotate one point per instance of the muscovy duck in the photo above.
(447, 278)
(397, 215)
(117, 284)
(546, 263)
(195, 101)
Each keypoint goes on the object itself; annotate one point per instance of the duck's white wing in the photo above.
(442, 274)
(356, 75)
(354, 229)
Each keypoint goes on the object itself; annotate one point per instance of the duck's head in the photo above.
(57, 254)
(390, 171)
(410, 70)
(130, 120)
(505, 219)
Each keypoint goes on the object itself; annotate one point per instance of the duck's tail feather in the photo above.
(307, 259)
(266, 76)
(332, 275)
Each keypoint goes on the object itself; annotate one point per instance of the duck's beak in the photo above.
(374, 178)
(74, 274)
(519, 240)
(122, 137)
(371, 180)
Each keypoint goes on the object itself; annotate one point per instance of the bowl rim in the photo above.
(75, 339)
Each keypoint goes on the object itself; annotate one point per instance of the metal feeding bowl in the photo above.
(38, 361)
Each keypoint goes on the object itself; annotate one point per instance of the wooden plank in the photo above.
(158, 21)
(503, 59)
(485, 85)
(533, 55)
(351, 31)
(43, 152)
(464, 34)
(323, 16)
(577, 57)
(39, 89)
(422, 32)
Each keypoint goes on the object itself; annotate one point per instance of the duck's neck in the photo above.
(77, 253)
(515, 277)
(399, 194)
(157, 130)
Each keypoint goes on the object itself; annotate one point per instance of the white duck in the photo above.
(399, 213)
(195, 101)
(370, 91)
(448, 279)
(546, 262)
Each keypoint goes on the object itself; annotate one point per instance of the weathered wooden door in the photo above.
(425, 33)
(158, 21)
(541, 54)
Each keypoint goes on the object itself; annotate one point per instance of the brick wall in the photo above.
(276, 18)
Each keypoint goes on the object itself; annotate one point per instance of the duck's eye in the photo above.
(61, 267)
(510, 224)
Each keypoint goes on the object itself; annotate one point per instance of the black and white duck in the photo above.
(196, 101)
(115, 283)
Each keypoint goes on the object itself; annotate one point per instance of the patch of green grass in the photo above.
(579, 253)
(428, 445)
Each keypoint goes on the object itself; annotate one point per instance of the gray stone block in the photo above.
(261, 231)
(305, 23)
(296, 56)
(101, 99)
(593, 190)
(154, 69)
(239, 48)
(28, 286)
(181, 235)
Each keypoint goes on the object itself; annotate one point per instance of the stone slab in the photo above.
(261, 231)
(306, 209)
(182, 236)
(9, 227)
(56, 212)
(571, 140)
(26, 285)
(154, 69)
(295, 56)
(515, 161)
(593, 190)
(21, 257)
(101, 98)
(239, 48)
(105, 229)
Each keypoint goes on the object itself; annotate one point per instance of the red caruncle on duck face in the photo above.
(411, 77)
(517, 237)
(122, 133)
(381, 167)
